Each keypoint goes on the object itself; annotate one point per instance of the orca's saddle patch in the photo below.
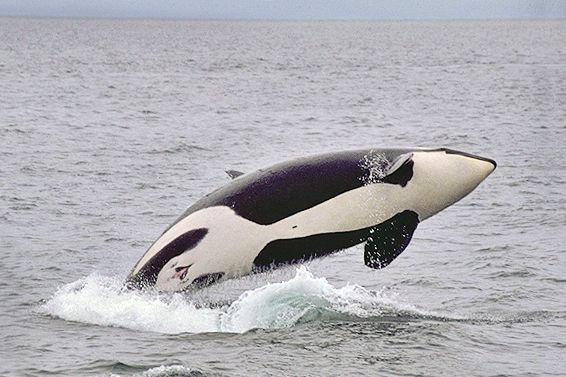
(388, 239)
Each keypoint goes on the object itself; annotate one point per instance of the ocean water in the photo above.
(109, 129)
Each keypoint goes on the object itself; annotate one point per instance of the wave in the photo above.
(179, 148)
(103, 301)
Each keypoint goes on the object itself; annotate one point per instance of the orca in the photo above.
(307, 208)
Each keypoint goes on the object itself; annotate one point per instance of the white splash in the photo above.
(103, 301)
(377, 165)
(168, 370)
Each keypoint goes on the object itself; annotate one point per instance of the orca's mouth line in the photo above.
(452, 151)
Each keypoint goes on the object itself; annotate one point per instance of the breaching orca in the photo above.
(307, 208)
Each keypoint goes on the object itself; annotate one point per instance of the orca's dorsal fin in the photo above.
(234, 173)
(388, 239)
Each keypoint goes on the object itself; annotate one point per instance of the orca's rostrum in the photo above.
(307, 208)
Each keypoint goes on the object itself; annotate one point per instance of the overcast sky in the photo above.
(289, 9)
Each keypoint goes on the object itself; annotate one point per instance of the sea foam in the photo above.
(103, 301)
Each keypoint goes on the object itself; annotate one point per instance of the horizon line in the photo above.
(279, 19)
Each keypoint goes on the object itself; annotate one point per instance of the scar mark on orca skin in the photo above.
(181, 272)
(147, 275)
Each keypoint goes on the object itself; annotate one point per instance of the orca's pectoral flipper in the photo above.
(401, 170)
(388, 239)
(234, 173)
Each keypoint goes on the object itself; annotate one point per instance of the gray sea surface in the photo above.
(110, 129)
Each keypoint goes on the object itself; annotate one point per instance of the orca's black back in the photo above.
(269, 195)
